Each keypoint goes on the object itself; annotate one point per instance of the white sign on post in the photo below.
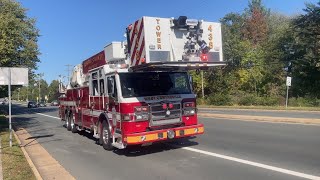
(13, 76)
(288, 81)
(19, 76)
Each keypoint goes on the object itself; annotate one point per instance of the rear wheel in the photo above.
(73, 125)
(69, 122)
(65, 120)
(105, 136)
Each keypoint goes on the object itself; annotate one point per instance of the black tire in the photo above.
(64, 120)
(69, 123)
(105, 136)
(73, 125)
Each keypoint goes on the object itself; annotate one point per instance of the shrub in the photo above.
(219, 99)
(267, 101)
(304, 102)
(248, 100)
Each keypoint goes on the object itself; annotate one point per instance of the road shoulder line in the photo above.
(262, 118)
(255, 164)
(48, 115)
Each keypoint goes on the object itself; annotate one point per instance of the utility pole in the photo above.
(40, 75)
(61, 77)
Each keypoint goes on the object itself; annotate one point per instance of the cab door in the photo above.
(112, 104)
(94, 96)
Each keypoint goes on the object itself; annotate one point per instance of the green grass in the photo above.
(263, 107)
(14, 163)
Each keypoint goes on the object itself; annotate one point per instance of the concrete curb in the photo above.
(262, 118)
(33, 167)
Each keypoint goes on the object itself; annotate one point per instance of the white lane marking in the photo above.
(251, 163)
(48, 115)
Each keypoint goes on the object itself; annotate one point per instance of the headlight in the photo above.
(141, 113)
(142, 117)
(189, 112)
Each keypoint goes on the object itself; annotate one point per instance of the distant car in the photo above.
(3, 101)
(32, 104)
(54, 103)
(42, 104)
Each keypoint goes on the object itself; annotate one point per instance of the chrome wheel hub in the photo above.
(105, 135)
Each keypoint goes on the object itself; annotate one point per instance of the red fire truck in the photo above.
(139, 91)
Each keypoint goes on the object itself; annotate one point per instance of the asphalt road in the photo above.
(271, 113)
(230, 150)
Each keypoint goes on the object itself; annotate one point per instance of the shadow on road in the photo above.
(24, 122)
(134, 151)
(31, 143)
(138, 150)
(42, 136)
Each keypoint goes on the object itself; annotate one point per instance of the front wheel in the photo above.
(105, 136)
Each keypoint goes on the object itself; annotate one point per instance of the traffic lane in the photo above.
(240, 147)
(291, 146)
(49, 110)
(290, 114)
(84, 159)
(266, 143)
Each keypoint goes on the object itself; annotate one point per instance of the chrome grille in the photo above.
(159, 115)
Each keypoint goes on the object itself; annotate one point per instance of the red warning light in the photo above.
(164, 106)
(204, 57)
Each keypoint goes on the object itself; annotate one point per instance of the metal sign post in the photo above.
(20, 78)
(288, 84)
(9, 96)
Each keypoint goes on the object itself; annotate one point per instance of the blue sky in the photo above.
(73, 30)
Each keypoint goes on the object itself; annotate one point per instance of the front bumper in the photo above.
(162, 135)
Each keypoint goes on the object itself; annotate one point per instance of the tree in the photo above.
(276, 56)
(241, 42)
(18, 38)
(255, 24)
(53, 90)
(231, 35)
(306, 47)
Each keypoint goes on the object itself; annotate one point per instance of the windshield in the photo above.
(154, 83)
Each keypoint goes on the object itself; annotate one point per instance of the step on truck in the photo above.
(139, 91)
